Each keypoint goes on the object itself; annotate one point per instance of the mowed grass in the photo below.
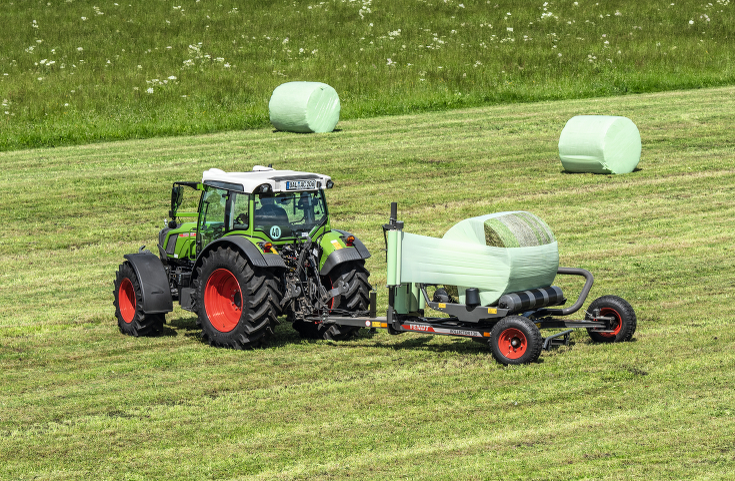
(81, 401)
(80, 71)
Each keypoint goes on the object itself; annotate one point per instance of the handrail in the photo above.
(589, 280)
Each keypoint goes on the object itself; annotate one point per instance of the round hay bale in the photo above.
(496, 253)
(600, 144)
(304, 107)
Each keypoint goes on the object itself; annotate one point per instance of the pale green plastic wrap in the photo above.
(463, 259)
(600, 144)
(304, 107)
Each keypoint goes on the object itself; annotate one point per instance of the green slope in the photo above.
(81, 401)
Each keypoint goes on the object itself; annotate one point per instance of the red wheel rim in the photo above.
(223, 300)
(617, 323)
(126, 300)
(512, 343)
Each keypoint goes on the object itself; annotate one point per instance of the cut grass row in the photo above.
(81, 401)
(81, 71)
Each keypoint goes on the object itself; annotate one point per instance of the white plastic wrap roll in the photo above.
(304, 107)
(600, 144)
(528, 260)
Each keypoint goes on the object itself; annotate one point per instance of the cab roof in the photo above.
(266, 179)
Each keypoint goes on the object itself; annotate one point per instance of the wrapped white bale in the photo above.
(496, 253)
(600, 144)
(304, 107)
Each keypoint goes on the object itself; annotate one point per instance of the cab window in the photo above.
(288, 214)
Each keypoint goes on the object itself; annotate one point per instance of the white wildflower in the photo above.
(510, 29)
(691, 22)
(149, 90)
(84, 18)
(172, 77)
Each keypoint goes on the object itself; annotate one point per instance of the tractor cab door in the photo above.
(212, 208)
(221, 210)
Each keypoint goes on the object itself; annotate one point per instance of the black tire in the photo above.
(131, 319)
(625, 320)
(356, 299)
(237, 303)
(515, 340)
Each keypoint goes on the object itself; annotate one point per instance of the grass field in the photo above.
(80, 71)
(81, 401)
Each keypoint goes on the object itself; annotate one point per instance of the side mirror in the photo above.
(177, 196)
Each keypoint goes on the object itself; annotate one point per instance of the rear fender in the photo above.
(153, 282)
(336, 252)
(247, 248)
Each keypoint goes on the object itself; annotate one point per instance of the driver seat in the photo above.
(270, 215)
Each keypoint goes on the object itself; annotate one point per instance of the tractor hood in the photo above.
(263, 180)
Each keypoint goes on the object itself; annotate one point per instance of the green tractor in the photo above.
(260, 246)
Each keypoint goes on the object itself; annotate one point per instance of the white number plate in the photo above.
(301, 185)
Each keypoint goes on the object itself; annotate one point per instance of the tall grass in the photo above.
(77, 71)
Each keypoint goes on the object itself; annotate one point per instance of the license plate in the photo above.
(301, 185)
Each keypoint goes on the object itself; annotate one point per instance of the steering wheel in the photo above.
(242, 219)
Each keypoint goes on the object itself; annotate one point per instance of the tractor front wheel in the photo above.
(515, 340)
(624, 319)
(357, 298)
(129, 305)
(237, 303)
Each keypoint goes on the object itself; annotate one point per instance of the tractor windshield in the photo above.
(289, 214)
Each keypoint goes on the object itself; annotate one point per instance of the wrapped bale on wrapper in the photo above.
(496, 253)
(600, 144)
(304, 107)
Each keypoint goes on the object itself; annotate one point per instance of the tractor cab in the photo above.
(264, 205)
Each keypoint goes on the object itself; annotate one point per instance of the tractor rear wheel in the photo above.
(357, 298)
(237, 303)
(129, 305)
(515, 340)
(624, 319)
